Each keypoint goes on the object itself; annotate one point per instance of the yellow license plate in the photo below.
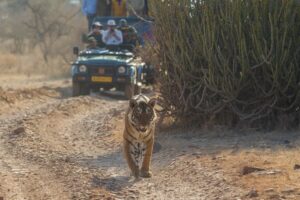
(102, 79)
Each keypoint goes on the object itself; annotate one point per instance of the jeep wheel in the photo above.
(79, 89)
(129, 91)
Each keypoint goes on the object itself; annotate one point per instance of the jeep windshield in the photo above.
(105, 52)
(112, 57)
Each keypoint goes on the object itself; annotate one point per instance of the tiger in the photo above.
(138, 135)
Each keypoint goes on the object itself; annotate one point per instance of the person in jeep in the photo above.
(112, 36)
(95, 36)
(130, 36)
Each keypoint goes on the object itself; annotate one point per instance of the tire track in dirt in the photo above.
(22, 178)
(32, 141)
(57, 147)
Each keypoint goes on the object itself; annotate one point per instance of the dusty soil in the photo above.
(54, 146)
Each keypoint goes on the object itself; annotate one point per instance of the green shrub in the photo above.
(230, 61)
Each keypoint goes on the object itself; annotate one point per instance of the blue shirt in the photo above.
(89, 7)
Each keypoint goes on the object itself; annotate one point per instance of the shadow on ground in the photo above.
(115, 184)
(65, 92)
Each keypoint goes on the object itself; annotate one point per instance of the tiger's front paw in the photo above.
(146, 174)
(135, 173)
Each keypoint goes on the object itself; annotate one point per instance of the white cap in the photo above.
(111, 22)
(97, 24)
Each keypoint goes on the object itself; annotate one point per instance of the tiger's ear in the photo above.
(152, 102)
(132, 103)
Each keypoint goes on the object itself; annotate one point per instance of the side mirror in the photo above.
(76, 51)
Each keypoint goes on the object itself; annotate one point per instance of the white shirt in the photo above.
(112, 38)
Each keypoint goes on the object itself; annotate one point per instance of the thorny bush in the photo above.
(230, 62)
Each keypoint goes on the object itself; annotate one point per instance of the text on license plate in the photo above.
(103, 79)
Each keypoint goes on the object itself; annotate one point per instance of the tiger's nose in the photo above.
(143, 128)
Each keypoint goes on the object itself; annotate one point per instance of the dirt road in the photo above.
(54, 146)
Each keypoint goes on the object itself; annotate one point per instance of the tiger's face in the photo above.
(142, 114)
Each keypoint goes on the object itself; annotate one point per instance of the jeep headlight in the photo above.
(82, 68)
(121, 70)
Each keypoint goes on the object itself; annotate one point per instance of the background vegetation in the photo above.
(229, 62)
(37, 35)
(221, 62)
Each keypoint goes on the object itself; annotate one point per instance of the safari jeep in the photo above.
(109, 68)
(106, 69)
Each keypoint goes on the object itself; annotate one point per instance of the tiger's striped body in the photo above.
(139, 135)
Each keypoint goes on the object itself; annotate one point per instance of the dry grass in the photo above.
(8, 61)
(32, 64)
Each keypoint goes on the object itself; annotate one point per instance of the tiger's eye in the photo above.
(147, 110)
(139, 110)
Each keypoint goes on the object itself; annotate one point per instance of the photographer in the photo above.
(129, 33)
(112, 36)
(95, 36)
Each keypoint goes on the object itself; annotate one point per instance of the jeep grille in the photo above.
(102, 71)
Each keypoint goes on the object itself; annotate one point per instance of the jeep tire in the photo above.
(79, 89)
